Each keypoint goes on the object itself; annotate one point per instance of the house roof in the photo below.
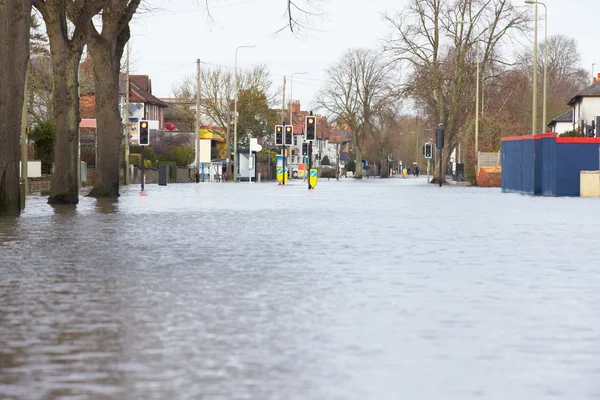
(566, 117)
(146, 96)
(591, 91)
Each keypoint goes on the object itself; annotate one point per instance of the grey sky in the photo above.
(166, 42)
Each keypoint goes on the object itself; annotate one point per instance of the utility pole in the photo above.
(283, 123)
(127, 124)
(198, 92)
(535, 72)
(24, 131)
(228, 142)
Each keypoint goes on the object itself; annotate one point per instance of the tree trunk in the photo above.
(358, 155)
(436, 170)
(385, 168)
(14, 54)
(65, 60)
(109, 129)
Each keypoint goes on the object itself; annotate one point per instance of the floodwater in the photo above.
(379, 289)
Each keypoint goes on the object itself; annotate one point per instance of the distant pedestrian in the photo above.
(417, 171)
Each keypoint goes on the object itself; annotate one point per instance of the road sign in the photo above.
(313, 178)
(279, 163)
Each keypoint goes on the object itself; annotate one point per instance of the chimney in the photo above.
(296, 106)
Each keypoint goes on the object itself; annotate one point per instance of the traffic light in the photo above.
(439, 142)
(310, 127)
(278, 135)
(289, 135)
(305, 149)
(428, 150)
(144, 134)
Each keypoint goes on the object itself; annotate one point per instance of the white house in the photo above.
(562, 123)
(586, 106)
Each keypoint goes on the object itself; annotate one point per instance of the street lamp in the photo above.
(545, 51)
(535, 29)
(416, 148)
(235, 113)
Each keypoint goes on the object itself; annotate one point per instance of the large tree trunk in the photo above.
(358, 155)
(436, 169)
(66, 55)
(109, 129)
(14, 54)
(66, 113)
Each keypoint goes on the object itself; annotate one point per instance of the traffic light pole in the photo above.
(309, 163)
(143, 147)
(441, 158)
(283, 138)
(428, 166)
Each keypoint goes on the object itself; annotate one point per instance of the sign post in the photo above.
(440, 147)
(310, 130)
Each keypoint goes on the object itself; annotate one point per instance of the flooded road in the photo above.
(380, 289)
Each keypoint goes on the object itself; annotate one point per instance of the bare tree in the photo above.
(439, 42)
(565, 75)
(218, 93)
(106, 49)
(66, 50)
(15, 20)
(358, 87)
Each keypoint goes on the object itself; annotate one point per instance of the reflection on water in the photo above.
(382, 289)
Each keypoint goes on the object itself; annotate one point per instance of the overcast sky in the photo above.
(167, 41)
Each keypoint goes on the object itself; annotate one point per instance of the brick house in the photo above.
(142, 103)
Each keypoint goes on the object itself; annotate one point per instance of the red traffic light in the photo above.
(144, 125)
(311, 120)
(288, 129)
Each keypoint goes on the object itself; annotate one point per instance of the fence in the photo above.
(546, 164)
(485, 159)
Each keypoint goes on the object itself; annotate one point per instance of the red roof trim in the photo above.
(528, 137)
(565, 140)
(571, 140)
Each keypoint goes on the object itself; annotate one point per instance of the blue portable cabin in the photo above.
(546, 164)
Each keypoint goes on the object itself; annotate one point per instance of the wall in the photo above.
(490, 177)
(574, 155)
(562, 127)
(39, 185)
(547, 165)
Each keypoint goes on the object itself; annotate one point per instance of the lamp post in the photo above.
(545, 51)
(416, 148)
(535, 29)
(235, 113)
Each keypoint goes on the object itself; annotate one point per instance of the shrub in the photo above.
(184, 156)
(327, 173)
(149, 154)
(44, 135)
(351, 166)
(135, 159)
(571, 134)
